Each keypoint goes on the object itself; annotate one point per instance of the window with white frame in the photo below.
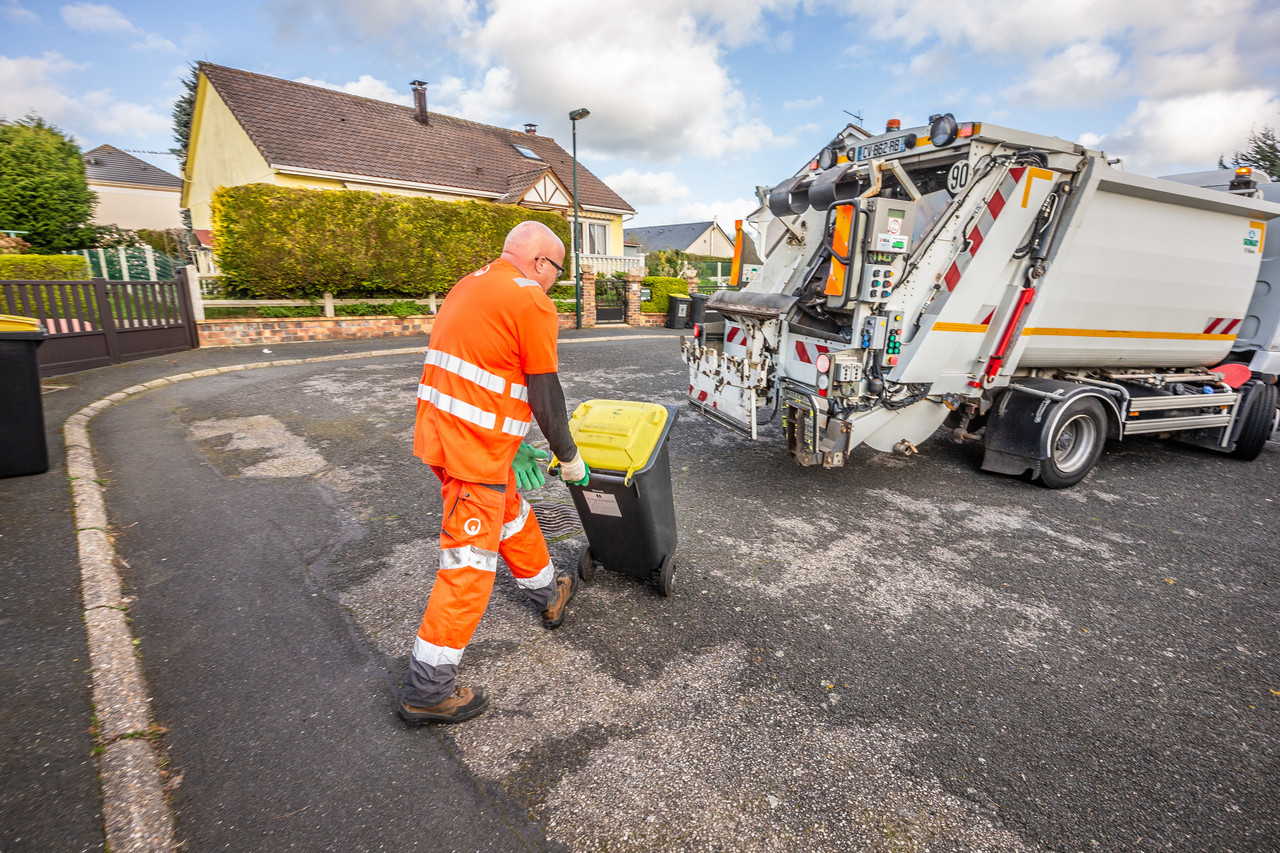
(597, 239)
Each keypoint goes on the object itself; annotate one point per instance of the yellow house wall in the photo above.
(220, 154)
(613, 220)
(136, 207)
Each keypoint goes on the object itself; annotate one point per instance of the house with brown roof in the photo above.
(131, 192)
(251, 128)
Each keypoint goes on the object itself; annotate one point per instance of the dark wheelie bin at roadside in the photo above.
(677, 312)
(626, 509)
(697, 309)
(22, 444)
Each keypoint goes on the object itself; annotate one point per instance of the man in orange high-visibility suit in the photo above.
(491, 367)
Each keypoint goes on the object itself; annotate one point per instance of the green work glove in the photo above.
(575, 473)
(528, 474)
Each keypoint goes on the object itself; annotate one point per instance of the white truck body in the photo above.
(970, 271)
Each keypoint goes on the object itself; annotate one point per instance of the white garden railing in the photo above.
(606, 265)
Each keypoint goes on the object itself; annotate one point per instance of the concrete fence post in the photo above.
(328, 304)
(197, 297)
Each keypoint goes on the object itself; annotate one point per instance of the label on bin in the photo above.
(602, 503)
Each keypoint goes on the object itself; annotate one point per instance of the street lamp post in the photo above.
(577, 223)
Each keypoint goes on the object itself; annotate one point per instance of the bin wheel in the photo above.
(586, 564)
(667, 576)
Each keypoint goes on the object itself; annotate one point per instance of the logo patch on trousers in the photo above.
(472, 526)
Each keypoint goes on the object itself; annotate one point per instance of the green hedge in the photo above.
(660, 290)
(43, 268)
(290, 243)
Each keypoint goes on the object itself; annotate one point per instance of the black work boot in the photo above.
(464, 704)
(566, 586)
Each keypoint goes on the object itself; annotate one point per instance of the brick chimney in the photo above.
(420, 102)
(531, 129)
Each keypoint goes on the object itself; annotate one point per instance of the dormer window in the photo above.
(526, 152)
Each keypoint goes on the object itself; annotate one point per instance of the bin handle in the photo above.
(553, 470)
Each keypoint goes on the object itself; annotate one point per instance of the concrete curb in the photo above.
(136, 813)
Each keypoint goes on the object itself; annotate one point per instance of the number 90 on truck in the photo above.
(1020, 289)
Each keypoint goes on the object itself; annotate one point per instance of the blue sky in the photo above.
(693, 102)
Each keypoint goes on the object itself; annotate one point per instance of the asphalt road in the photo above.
(902, 655)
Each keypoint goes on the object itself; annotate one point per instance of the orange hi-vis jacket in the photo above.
(493, 330)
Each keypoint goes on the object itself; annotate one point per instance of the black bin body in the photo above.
(697, 308)
(22, 445)
(642, 533)
(677, 311)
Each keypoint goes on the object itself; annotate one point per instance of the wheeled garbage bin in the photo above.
(697, 309)
(626, 508)
(22, 444)
(677, 311)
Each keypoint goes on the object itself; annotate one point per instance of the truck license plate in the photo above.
(885, 146)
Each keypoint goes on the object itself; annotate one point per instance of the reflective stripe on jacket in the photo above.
(494, 328)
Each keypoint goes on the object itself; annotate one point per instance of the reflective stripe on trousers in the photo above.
(480, 523)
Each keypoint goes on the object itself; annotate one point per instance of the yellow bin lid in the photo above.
(10, 323)
(618, 435)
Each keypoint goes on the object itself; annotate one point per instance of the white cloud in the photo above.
(1186, 133)
(643, 104)
(724, 212)
(490, 101)
(95, 18)
(643, 188)
(1082, 73)
(367, 86)
(104, 19)
(31, 85)
(14, 10)
(646, 101)
(406, 21)
(809, 103)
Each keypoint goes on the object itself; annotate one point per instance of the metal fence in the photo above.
(130, 263)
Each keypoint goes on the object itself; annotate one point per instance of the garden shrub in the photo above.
(289, 311)
(43, 268)
(660, 290)
(286, 242)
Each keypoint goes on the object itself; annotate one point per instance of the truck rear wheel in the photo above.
(1257, 423)
(1076, 443)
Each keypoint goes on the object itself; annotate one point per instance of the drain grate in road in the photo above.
(557, 519)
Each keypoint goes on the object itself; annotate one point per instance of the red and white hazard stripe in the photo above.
(808, 353)
(735, 340)
(701, 397)
(1221, 326)
(973, 240)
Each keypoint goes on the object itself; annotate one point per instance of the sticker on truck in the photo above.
(1253, 237)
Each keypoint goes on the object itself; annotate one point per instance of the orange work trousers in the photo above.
(481, 523)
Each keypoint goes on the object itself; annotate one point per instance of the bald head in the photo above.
(535, 250)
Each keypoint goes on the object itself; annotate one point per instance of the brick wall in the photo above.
(229, 333)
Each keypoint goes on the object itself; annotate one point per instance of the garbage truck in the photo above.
(1020, 290)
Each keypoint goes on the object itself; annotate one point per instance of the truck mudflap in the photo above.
(1022, 419)
(729, 389)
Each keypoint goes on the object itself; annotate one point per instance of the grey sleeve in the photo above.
(546, 398)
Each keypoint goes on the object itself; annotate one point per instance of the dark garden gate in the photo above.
(96, 323)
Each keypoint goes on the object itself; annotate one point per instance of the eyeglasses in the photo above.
(559, 268)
